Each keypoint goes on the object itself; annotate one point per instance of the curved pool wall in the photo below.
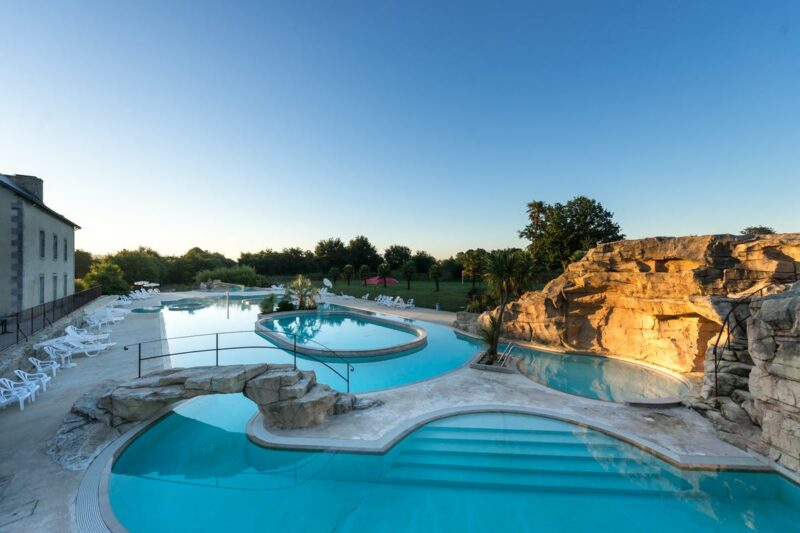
(196, 470)
(348, 334)
(598, 377)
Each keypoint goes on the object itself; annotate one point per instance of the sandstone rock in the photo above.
(659, 300)
(79, 440)
(310, 410)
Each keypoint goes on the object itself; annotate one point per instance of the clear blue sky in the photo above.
(239, 126)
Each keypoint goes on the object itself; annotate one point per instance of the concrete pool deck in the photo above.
(39, 495)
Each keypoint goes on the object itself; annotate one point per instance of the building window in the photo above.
(55, 287)
(41, 288)
(55, 246)
(65, 283)
(65, 250)
(41, 244)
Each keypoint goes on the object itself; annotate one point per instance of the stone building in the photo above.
(37, 247)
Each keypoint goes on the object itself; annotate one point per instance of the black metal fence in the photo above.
(22, 325)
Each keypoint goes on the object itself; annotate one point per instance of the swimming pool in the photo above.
(594, 377)
(196, 470)
(339, 331)
(443, 352)
(597, 377)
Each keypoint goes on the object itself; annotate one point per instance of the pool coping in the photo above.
(421, 336)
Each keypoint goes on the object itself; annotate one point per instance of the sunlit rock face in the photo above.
(659, 300)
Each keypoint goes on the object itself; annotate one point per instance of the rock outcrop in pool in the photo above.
(287, 397)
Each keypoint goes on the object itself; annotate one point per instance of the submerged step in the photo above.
(491, 479)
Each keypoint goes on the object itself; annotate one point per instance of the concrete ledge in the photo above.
(286, 344)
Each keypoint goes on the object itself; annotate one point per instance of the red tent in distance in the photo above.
(379, 281)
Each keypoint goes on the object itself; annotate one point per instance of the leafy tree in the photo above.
(239, 275)
(749, 230)
(334, 274)
(423, 261)
(408, 270)
(361, 252)
(384, 271)
(109, 276)
(348, 272)
(83, 262)
(557, 231)
(507, 273)
(286, 262)
(184, 269)
(396, 255)
(363, 273)
(330, 253)
(474, 262)
(451, 268)
(435, 273)
(141, 264)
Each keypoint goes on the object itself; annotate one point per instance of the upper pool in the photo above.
(444, 351)
(598, 377)
(338, 331)
(196, 470)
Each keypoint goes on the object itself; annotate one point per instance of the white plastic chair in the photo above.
(16, 388)
(9, 397)
(57, 352)
(365, 297)
(45, 366)
(39, 378)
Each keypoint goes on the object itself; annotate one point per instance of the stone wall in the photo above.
(660, 300)
(773, 332)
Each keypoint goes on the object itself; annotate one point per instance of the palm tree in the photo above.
(408, 270)
(334, 273)
(348, 273)
(363, 273)
(507, 273)
(435, 273)
(301, 290)
(383, 271)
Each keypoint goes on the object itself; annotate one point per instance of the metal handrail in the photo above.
(731, 315)
(216, 349)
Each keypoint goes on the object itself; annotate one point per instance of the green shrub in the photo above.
(240, 275)
(267, 305)
(109, 276)
(285, 305)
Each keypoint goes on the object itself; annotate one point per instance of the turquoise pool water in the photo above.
(338, 332)
(601, 378)
(444, 351)
(593, 377)
(196, 470)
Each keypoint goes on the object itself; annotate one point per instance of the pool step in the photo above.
(550, 456)
(564, 481)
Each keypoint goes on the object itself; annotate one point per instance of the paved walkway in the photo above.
(36, 494)
(677, 434)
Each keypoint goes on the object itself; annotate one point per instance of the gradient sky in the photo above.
(240, 126)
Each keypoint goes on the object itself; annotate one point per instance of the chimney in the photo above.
(31, 184)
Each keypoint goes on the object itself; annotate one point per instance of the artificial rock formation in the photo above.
(288, 398)
(660, 300)
(773, 333)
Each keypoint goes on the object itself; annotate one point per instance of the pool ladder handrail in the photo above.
(216, 349)
(506, 355)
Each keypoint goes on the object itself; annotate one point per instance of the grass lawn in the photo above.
(452, 295)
